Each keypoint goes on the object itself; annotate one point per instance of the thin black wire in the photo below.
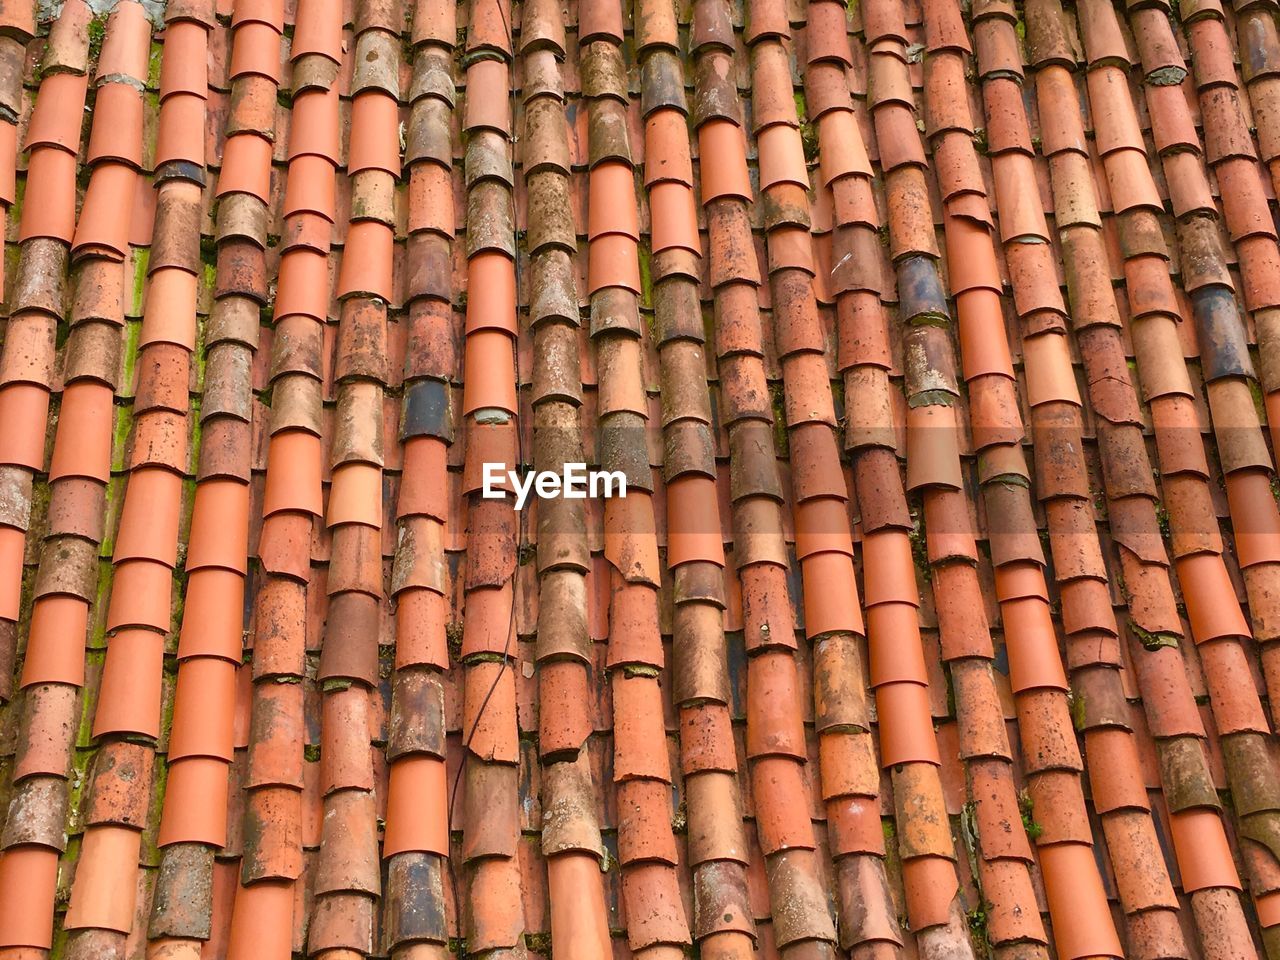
(521, 544)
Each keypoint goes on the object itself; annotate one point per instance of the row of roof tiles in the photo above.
(877, 210)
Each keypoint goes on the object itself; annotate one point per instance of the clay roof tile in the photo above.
(723, 302)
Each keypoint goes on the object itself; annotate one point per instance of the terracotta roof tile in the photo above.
(884, 295)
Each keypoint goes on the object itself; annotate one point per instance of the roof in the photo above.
(939, 348)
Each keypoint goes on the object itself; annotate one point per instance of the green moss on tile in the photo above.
(538, 943)
(969, 827)
(918, 538)
(650, 320)
(1026, 808)
(1166, 76)
(149, 855)
(77, 784)
(646, 275)
(1077, 703)
(484, 657)
(62, 894)
(15, 214)
(132, 337)
(94, 659)
(40, 493)
(1100, 502)
(24, 633)
(97, 31)
(809, 141)
(1259, 399)
(97, 622)
(141, 259)
(977, 919)
(196, 437)
(777, 399)
(153, 66)
(680, 818)
(1133, 375)
(1162, 520)
(1154, 640)
(931, 398)
(1011, 480)
(111, 517)
(98, 610)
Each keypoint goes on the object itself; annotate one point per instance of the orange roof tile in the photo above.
(937, 345)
